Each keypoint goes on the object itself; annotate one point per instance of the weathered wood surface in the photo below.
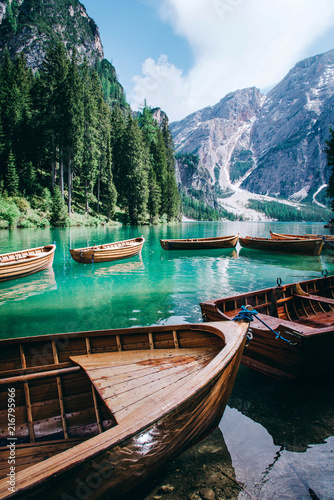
(108, 252)
(303, 313)
(288, 245)
(158, 390)
(200, 243)
(23, 263)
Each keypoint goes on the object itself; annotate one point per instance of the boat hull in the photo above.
(288, 245)
(108, 253)
(200, 243)
(20, 264)
(307, 346)
(111, 464)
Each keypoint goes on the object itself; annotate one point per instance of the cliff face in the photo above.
(219, 134)
(272, 144)
(289, 136)
(28, 26)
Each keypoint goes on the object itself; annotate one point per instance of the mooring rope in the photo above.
(248, 315)
(328, 242)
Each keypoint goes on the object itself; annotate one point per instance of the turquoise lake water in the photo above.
(278, 438)
(155, 288)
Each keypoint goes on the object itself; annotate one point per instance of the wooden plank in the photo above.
(316, 298)
(96, 407)
(176, 341)
(150, 340)
(38, 375)
(60, 393)
(27, 398)
(157, 396)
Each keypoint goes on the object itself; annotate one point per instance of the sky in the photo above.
(184, 55)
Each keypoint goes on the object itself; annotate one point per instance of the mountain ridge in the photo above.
(270, 145)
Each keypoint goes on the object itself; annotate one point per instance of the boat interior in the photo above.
(24, 254)
(69, 388)
(309, 304)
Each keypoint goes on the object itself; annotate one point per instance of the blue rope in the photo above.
(328, 242)
(247, 315)
(59, 250)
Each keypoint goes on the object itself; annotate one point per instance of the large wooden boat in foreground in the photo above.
(24, 262)
(108, 252)
(97, 412)
(302, 317)
(287, 245)
(201, 243)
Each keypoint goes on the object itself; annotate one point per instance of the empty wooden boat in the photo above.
(328, 239)
(200, 243)
(108, 252)
(94, 413)
(301, 316)
(287, 245)
(24, 262)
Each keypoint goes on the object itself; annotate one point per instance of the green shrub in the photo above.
(9, 212)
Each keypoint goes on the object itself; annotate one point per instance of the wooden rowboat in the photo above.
(288, 245)
(328, 239)
(200, 243)
(97, 412)
(302, 317)
(108, 252)
(24, 262)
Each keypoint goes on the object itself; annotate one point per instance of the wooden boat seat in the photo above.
(316, 298)
(130, 380)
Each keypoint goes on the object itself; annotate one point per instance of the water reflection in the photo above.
(108, 269)
(23, 288)
(280, 437)
(290, 261)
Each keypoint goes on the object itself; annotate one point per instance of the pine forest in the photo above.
(68, 151)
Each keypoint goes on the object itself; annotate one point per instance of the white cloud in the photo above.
(236, 44)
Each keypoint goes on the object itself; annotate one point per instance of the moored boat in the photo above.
(297, 339)
(25, 262)
(97, 412)
(200, 243)
(287, 245)
(328, 238)
(108, 252)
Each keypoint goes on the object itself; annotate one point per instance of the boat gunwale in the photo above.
(27, 258)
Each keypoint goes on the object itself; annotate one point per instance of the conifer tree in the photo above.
(12, 179)
(53, 80)
(117, 131)
(58, 210)
(148, 126)
(159, 159)
(73, 124)
(154, 195)
(90, 160)
(134, 184)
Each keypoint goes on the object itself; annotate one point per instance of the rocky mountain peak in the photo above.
(28, 26)
(269, 145)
